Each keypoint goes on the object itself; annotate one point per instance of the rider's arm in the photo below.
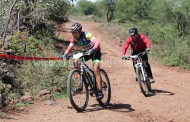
(126, 45)
(68, 50)
(146, 40)
(96, 44)
(90, 37)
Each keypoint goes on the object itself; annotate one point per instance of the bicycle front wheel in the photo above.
(106, 89)
(77, 91)
(144, 86)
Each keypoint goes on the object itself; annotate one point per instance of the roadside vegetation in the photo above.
(29, 28)
(166, 23)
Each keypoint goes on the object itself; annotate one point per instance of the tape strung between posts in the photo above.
(26, 58)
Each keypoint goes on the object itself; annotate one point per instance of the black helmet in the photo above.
(76, 27)
(133, 31)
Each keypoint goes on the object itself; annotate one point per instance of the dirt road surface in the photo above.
(171, 102)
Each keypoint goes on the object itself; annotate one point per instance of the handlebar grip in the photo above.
(67, 57)
(125, 58)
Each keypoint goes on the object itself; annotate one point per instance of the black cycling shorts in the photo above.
(96, 57)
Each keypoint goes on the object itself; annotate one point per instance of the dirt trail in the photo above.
(171, 102)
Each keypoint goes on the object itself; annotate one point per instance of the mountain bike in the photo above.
(82, 82)
(141, 74)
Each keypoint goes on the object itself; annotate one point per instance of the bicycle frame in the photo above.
(139, 64)
(84, 70)
(140, 72)
(86, 82)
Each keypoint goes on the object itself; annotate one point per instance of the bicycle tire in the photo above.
(73, 92)
(106, 89)
(147, 81)
(142, 82)
(149, 85)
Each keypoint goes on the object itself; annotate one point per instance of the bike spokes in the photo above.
(143, 83)
(77, 91)
(106, 89)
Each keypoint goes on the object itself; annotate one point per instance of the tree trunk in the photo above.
(7, 23)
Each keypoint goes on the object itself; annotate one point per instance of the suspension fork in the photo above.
(143, 72)
(139, 66)
(137, 72)
(81, 75)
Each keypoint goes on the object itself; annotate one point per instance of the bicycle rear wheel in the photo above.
(106, 89)
(149, 85)
(77, 91)
(144, 86)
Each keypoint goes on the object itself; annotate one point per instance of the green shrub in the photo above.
(25, 45)
(39, 75)
(167, 47)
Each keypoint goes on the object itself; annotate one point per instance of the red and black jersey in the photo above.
(141, 43)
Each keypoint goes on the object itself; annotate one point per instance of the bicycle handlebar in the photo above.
(134, 56)
(68, 57)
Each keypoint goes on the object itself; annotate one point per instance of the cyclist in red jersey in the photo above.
(92, 45)
(139, 43)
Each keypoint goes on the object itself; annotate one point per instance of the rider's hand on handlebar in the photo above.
(123, 58)
(63, 56)
(147, 49)
(90, 51)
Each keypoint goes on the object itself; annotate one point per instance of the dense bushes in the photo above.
(84, 7)
(166, 23)
(34, 37)
(39, 75)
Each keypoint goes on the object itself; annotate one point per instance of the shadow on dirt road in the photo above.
(157, 91)
(117, 107)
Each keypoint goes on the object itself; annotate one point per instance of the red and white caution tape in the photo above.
(26, 58)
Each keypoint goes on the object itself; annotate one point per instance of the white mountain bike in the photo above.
(141, 74)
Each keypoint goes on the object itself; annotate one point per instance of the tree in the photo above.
(133, 10)
(111, 8)
(175, 12)
(7, 22)
(86, 7)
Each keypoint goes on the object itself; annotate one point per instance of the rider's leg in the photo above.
(147, 67)
(96, 57)
(99, 94)
(97, 74)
